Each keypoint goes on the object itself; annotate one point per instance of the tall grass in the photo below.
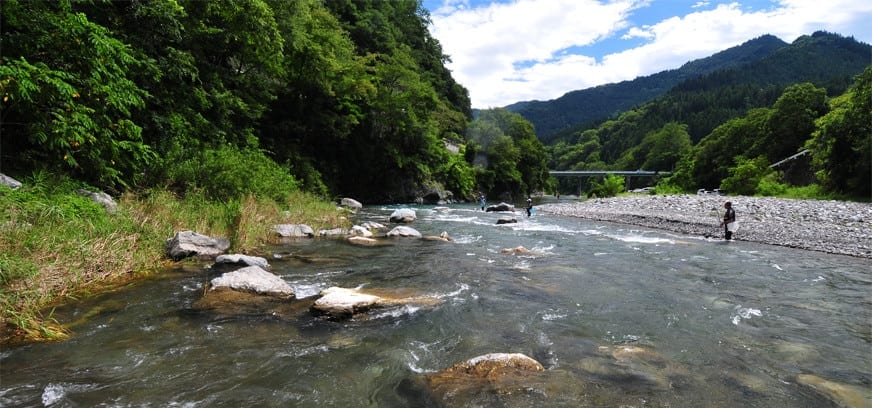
(56, 245)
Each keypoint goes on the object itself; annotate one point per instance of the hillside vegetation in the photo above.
(712, 130)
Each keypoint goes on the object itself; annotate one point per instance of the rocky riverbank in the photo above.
(837, 227)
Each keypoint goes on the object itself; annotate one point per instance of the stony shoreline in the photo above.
(836, 227)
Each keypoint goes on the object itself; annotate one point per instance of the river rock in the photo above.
(333, 232)
(253, 279)
(188, 243)
(365, 241)
(372, 225)
(350, 203)
(9, 182)
(500, 207)
(844, 395)
(227, 261)
(516, 250)
(442, 237)
(403, 216)
(494, 365)
(360, 231)
(340, 303)
(101, 198)
(403, 231)
(294, 230)
(503, 373)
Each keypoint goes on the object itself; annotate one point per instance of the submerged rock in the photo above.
(442, 237)
(188, 243)
(845, 395)
(365, 241)
(516, 250)
(482, 378)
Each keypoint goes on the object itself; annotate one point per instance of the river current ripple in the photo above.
(618, 315)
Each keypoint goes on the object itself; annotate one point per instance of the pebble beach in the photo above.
(836, 227)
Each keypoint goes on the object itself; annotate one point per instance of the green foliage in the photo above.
(229, 173)
(67, 100)
(516, 162)
(610, 186)
(745, 176)
(771, 185)
(841, 147)
(458, 175)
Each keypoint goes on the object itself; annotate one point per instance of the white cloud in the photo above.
(509, 52)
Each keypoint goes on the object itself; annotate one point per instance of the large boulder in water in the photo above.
(189, 243)
(229, 262)
(501, 373)
(403, 215)
(255, 280)
(403, 231)
(339, 303)
(500, 207)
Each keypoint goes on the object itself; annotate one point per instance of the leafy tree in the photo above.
(841, 147)
(715, 154)
(610, 186)
(67, 100)
(791, 122)
(745, 175)
(516, 160)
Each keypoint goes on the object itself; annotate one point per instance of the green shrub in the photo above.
(770, 185)
(230, 173)
(610, 186)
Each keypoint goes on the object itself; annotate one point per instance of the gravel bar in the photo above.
(836, 227)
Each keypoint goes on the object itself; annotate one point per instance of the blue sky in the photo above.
(505, 51)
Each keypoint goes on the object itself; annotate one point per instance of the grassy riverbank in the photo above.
(57, 246)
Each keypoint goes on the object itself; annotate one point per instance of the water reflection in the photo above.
(617, 315)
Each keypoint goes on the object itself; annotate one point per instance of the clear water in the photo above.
(721, 324)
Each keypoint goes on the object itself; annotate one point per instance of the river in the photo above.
(617, 315)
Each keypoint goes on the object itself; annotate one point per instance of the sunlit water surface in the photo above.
(724, 324)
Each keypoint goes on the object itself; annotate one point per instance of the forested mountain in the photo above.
(725, 128)
(226, 98)
(585, 107)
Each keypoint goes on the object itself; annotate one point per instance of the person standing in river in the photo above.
(729, 218)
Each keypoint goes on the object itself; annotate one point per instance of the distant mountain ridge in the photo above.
(579, 108)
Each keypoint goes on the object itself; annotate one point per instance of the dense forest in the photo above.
(345, 97)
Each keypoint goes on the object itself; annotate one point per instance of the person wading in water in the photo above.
(729, 218)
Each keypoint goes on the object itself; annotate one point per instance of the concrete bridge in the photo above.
(629, 174)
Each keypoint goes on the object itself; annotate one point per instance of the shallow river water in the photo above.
(618, 316)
